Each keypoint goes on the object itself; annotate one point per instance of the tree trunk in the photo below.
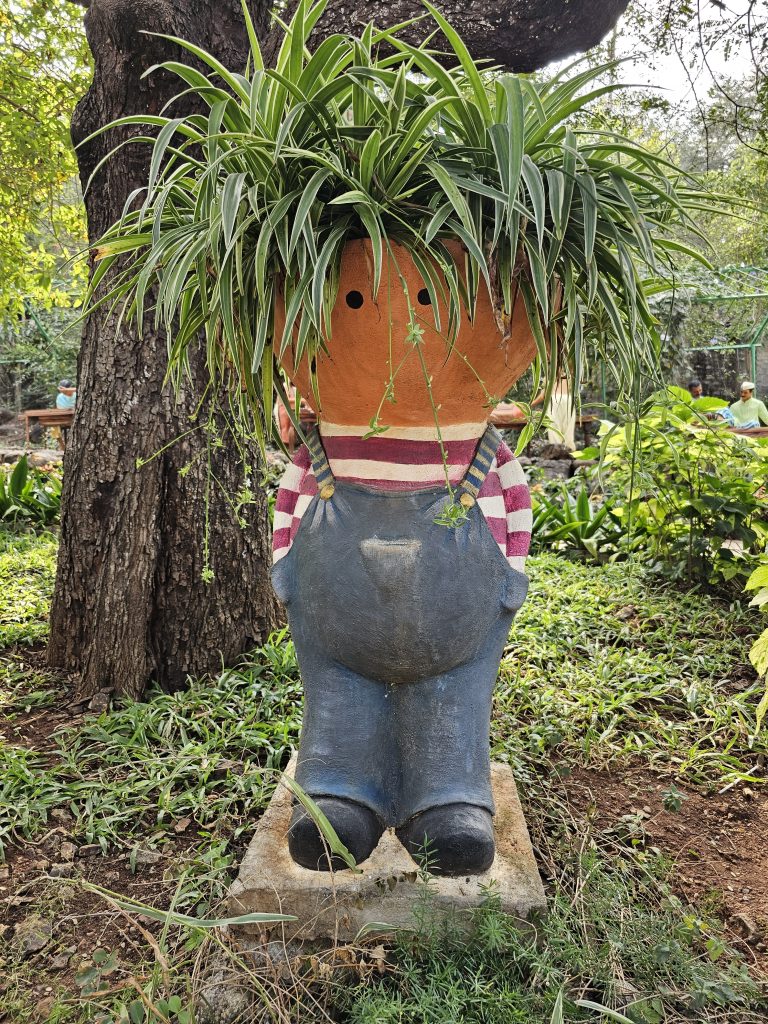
(130, 603)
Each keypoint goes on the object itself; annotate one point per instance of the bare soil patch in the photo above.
(39, 884)
(717, 842)
(30, 725)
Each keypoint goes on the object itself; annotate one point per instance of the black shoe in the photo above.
(356, 826)
(458, 839)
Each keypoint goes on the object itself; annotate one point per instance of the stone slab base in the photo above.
(337, 905)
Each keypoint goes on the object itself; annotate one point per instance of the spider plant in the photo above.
(372, 137)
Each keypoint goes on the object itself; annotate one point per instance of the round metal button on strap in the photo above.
(326, 492)
(467, 500)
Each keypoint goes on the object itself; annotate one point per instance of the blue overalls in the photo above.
(399, 625)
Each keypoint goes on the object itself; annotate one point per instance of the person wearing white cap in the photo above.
(749, 411)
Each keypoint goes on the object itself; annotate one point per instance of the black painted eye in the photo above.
(354, 300)
(423, 297)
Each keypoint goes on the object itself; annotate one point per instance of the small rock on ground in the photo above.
(33, 934)
(222, 1000)
(144, 857)
(63, 870)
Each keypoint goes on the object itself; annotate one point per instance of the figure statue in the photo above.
(400, 618)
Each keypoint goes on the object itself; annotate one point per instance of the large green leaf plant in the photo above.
(691, 494)
(371, 137)
(758, 654)
(691, 488)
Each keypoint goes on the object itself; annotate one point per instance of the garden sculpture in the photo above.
(400, 619)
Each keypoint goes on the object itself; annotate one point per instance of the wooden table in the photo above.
(49, 418)
(750, 431)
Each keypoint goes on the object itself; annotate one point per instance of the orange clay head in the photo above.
(370, 347)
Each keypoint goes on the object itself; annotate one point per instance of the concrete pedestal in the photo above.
(337, 905)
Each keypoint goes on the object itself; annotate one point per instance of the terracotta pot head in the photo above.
(370, 345)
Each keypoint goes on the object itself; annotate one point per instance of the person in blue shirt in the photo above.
(67, 395)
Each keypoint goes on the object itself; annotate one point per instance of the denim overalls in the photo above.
(399, 626)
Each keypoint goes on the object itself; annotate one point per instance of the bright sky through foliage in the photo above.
(702, 48)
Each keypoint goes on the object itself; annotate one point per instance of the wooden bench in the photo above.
(746, 431)
(49, 418)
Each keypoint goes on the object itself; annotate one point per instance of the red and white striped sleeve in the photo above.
(296, 490)
(507, 488)
(517, 506)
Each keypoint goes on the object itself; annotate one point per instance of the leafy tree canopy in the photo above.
(718, 141)
(44, 69)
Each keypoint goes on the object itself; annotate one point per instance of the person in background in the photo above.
(67, 395)
(695, 388)
(749, 412)
(562, 413)
(65, 400)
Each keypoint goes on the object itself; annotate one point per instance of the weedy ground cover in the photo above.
(611, 661)
(211, 754)
(27, 571)
(604, 669)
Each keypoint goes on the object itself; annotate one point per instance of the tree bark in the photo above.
(130, 602)
(518, 35)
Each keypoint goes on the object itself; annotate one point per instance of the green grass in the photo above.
(663, 683)
(211, 753)
(27, 571)
(610, 934)
(605, 662)
(577, 683)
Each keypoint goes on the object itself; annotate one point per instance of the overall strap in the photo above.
(320, 465)
(480, 466)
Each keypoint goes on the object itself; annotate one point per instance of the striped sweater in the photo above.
(409, 458)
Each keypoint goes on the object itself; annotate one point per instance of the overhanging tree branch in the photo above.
(519, 35)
